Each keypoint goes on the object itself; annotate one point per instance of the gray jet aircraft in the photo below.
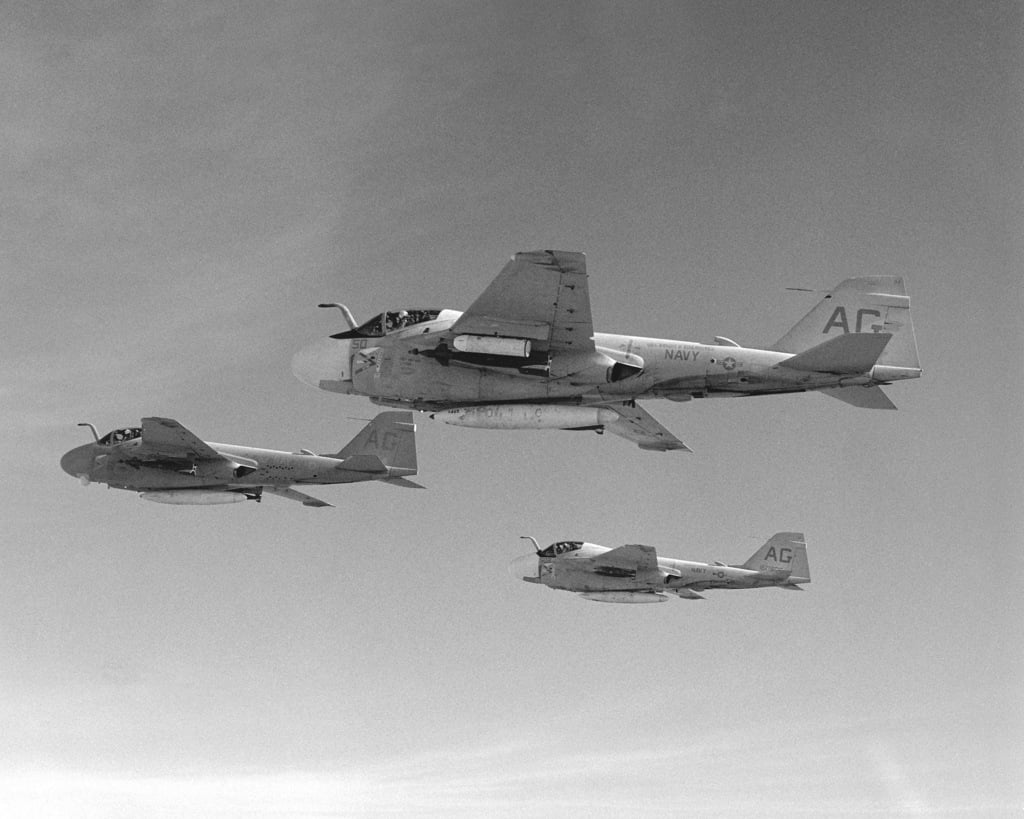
(635, 574)
(168, 464)
(525, 356)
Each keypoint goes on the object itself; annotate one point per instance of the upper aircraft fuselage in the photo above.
(114, 464)
(560, 573)
(525, 355)
(633, 573)
(401, 368)
(169, 464)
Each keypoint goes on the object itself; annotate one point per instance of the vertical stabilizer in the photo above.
(780, 555)
(391, 436)
(868, 304)
(801, 571)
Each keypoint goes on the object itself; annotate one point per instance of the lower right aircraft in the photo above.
(635, 574)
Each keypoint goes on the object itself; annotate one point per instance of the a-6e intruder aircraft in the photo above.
(168, 464)
(635, 574)
(525, 356)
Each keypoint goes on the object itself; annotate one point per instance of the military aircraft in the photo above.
(635, 574)
(168, 464)
(525, 356)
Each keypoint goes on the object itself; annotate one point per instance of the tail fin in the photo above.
(391, 437)
(781, 555)
(801, 571)
(868, 304)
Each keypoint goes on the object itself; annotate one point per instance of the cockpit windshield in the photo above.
(389, 322)
(119, 436)
(561, 548)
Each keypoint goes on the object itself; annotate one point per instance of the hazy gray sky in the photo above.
(184, 182)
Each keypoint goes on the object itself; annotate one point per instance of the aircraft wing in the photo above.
(633, 559)
(541, 295)
(165, 438)
(371, 467)
(291, 494)
(639, 426)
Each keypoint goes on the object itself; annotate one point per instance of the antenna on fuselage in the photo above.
(95, 434)
(344, 311)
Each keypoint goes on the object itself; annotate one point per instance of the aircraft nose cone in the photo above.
(78, 461)
(525, 567)
(326, 360)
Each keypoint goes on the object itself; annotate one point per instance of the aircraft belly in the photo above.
(440, 383)
(763, 383)
(495, 386)
(561, 577)
(674, 368)
(597, 584)
(415, 379)
(147, 478)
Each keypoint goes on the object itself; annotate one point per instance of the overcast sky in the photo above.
(184, 182)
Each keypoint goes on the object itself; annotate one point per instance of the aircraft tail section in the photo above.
(867, 304)
(780, 556)
(850, 354)
(801, 571)
(864, 397)
(389, 439)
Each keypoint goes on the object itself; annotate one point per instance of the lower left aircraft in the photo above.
(166, 463)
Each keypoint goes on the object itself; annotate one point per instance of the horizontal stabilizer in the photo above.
(865, 304)
(847, 354)
(864, 397)
(388, 440)
(363, 462)
(404, 482)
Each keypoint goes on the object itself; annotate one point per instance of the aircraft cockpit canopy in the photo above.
(119, 436)
(388, 322)
(561, 548)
